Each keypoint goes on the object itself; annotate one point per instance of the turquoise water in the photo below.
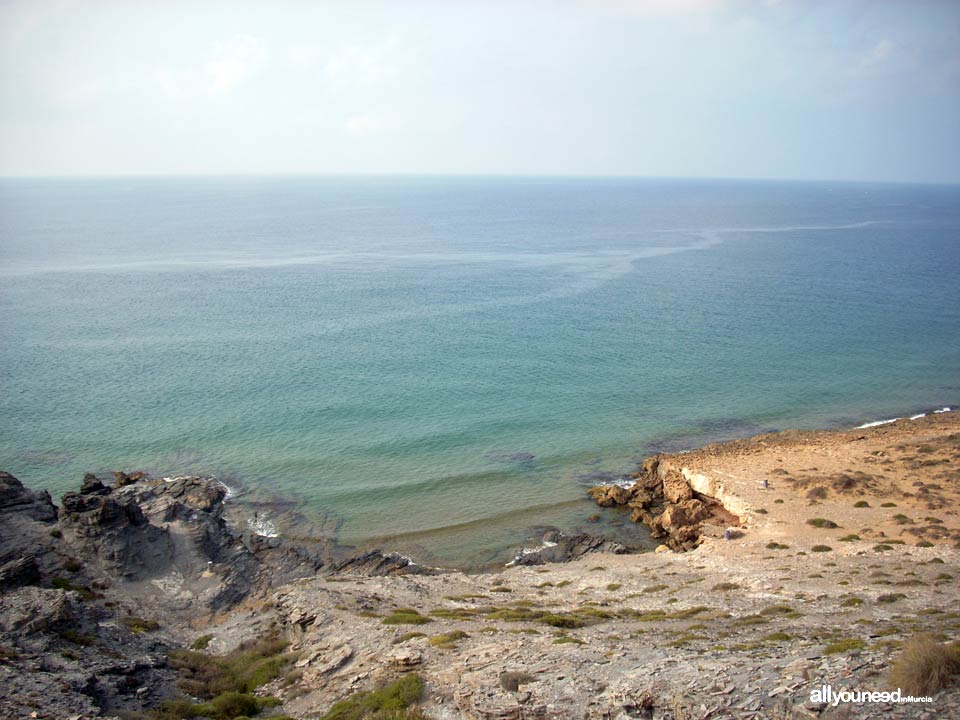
(440, 365)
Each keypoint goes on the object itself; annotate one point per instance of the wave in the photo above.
(530, 551)
(262, 526)
(877, 423)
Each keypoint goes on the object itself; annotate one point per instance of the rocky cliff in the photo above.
(664, 499)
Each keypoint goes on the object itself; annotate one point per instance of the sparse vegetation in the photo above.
(239, 672)
(139, 624)
(843, 646)
(890, 598)
(567, 639)
(861, 504)
(821, 548)
(725, 586)
(385, 703)
(85, 593)
(78, 638)
(822, 523)
(201, 643)
(777, 546)
(448, 640)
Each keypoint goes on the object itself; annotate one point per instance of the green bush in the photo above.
(383, 703)
(405, 616)
(248, 667)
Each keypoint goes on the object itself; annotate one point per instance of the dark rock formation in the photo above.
(14, 497)
(662, 499)
(560, 548)
(377, 563)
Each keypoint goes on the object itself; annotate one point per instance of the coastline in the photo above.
(743, 628)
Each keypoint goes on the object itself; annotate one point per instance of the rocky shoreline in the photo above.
(843, 546)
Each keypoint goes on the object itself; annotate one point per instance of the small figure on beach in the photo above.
(728, 534)
(766, 484)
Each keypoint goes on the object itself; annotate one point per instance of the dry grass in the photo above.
(925, 666)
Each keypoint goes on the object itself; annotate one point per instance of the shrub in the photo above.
(613, 587)
(822, 523)
(563, 621)
(234, 704)
(777, 546)
(139, 624)
(405, 616)
(842, 646)
(77, 638)
(397, 696)
(861, 504)
(448, 640)
(853, 537)
(888, 504)
(925, 666)
(248, 667)
(201, 642)
(890, 598)
(725, 586)
(821, 548)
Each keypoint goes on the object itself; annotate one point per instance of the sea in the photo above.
(441, 366)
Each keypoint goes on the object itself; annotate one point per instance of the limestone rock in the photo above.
(610, 495)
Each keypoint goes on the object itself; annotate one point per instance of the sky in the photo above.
(791, 89)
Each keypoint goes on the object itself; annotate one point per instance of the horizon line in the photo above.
(465, 175)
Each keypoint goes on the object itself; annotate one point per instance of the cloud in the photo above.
(234, 62)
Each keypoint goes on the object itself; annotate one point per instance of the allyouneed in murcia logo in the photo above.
(826, 694)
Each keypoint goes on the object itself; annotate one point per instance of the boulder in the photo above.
(19, 572)
(610, 495)
(676, 489)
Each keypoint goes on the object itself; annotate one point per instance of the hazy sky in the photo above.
(844, 89)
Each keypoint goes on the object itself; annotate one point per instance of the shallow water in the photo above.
(441, 365)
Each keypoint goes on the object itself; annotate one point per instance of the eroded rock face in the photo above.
(663, 500)
(113, 532)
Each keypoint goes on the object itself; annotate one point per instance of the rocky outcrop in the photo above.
(376, 563)
(664, 499)
(560, 548)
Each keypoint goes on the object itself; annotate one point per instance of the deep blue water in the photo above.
(438, 364)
